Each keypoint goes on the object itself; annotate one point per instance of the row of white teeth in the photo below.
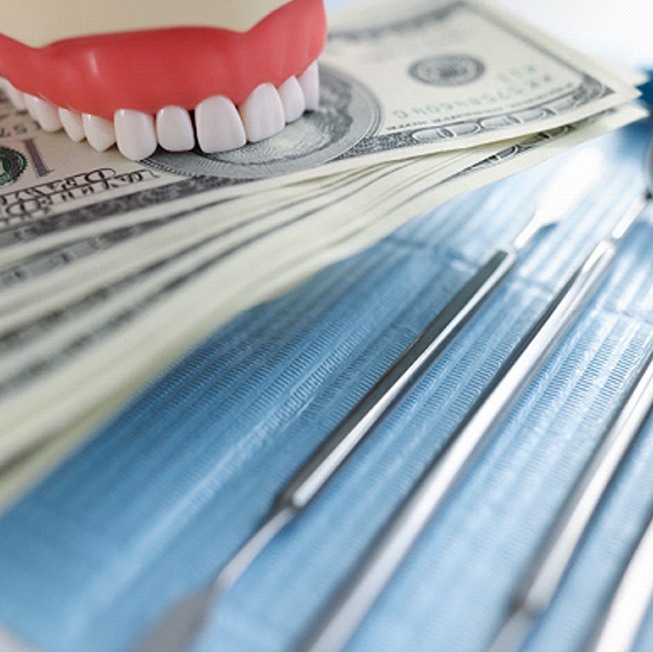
(216, 125)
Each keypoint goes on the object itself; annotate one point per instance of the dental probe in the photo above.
(184, 620)
(358, 594)
(546, 573)
(626, 611)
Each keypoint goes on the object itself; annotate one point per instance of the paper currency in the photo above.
(110, 270)
(126, 333)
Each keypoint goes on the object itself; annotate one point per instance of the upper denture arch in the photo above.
(146, 70)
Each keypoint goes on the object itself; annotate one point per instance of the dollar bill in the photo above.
(460, 73)
(43, 284)
(128, 331)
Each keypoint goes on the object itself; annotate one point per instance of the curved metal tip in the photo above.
(250, 550)
(184, 621)
(513, 632)
(180, 625)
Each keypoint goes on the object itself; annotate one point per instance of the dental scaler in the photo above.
(215, 74)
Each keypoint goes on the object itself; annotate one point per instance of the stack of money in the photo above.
(110, 270)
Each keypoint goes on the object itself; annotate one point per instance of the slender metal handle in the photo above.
(188, 615)
(350, 606)
(626, 612)
(328, 458)
(539, 586)
(581, 505)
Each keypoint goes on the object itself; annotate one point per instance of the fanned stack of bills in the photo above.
(110, 270)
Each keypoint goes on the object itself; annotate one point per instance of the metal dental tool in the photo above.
(184, 620)
(627, 609)
(544, 577)
(357, 596)
(540, 584)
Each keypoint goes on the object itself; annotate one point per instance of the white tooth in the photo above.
(292, 98)
(218, 124)
(72, 123)
(30, 105)
(262, 113)
(174, 129)
(310, 83)
(46, 114)
(15, 96)
(99, 132)
(135, 134)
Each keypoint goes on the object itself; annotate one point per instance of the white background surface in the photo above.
(620, 31)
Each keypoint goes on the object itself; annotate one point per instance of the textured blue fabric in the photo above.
(157, 502)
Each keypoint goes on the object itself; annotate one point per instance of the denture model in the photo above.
(148, 73)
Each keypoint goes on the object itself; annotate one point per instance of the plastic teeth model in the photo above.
(147, 73)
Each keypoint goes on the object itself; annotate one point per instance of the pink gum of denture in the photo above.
(147, 71)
